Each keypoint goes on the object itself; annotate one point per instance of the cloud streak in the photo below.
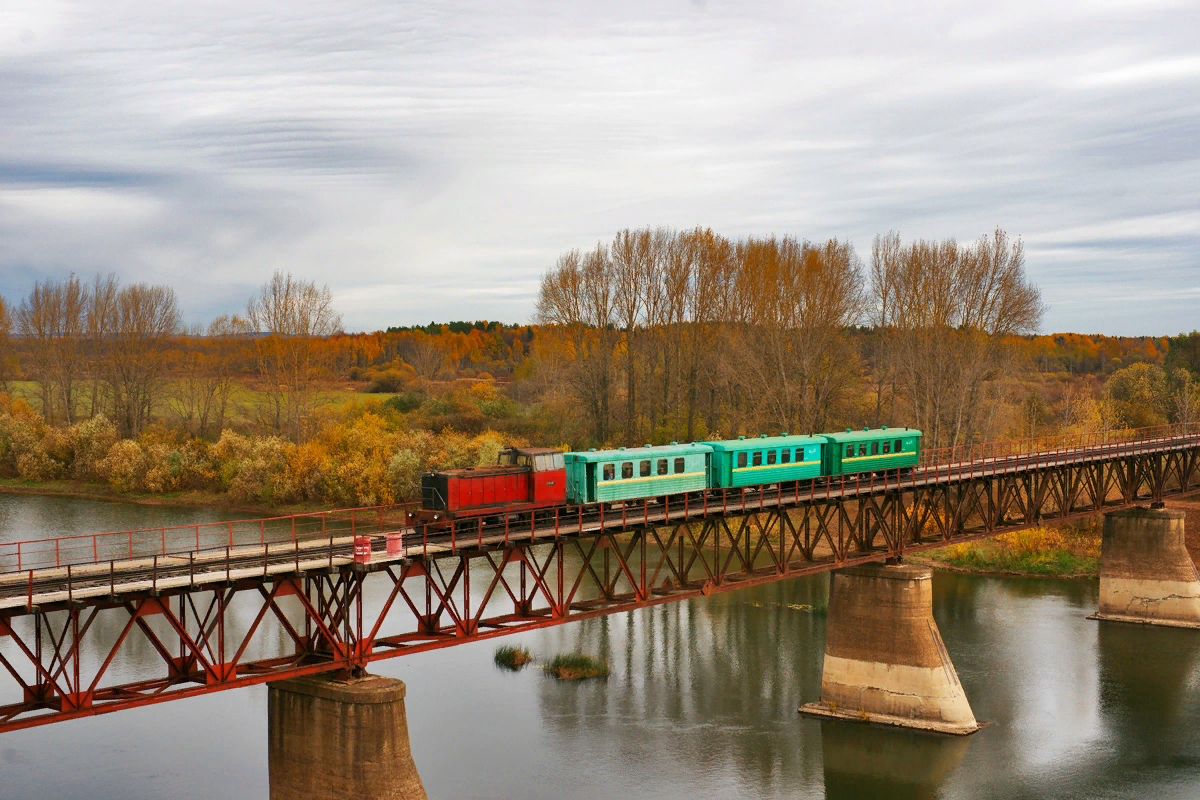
(431, 160)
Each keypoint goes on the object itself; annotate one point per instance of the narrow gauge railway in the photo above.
(109, 580)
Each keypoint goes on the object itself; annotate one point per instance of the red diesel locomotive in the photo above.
(523, 479)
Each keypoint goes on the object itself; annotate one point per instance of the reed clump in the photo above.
(1066, 550)
(576, 666)
(512, 658)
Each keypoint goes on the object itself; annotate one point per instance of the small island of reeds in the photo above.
(576, 666)
(512, 658)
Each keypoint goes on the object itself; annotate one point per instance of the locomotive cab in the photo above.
(523, 479)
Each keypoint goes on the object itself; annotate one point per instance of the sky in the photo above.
(429, 161)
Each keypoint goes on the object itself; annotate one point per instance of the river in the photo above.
(701, 704)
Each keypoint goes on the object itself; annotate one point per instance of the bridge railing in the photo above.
(983, 452)
(181, 539)
(945, 464)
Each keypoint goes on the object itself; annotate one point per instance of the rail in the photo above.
(334, 538)
(936, 466)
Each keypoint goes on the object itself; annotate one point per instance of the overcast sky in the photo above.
(430, 160)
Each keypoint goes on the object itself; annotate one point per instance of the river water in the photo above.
(701, 704)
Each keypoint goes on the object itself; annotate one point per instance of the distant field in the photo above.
(244, 400)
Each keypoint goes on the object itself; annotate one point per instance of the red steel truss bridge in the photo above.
(94, 624)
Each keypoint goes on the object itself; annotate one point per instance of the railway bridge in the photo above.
(308, 602)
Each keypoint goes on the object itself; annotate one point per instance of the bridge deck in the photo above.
(105, 581)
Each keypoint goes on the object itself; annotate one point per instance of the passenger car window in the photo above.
(770, 456)
(678, 466)
(757, 458)
(785, 455)
(849, 451)
(626, 470)
(610, 471)
(862, 449)
(899, 446)
(741, 459)
(874, 448)
(662, 466)
(644, 469)
(887, 447)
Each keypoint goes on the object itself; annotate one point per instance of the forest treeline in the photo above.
(653, 336)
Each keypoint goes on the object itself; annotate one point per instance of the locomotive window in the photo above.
(524, 461)
(610, 471)
(874, 448)
(785, 455)
(541, 463)
(770, 456)
(741, 460)
(758, 458)
(899, 446)
(862, 449)
(507, 457)
(626, 470)
(849, 451)
(644, 469)
(887, 447)
(678, 466)
(559, 461)
(662, 466)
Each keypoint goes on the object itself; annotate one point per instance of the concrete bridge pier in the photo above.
(1146, 574)
(884, 657)
(338, 738)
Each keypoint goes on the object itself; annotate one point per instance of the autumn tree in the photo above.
(295, 315)
(135, 333)
(948, 312)
(52, 321)
(576, 295)
(205, 373)
(6, 356)
(1139, 395)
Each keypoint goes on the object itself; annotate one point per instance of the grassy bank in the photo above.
(1066, 551)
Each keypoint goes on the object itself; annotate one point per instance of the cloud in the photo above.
(429, 161)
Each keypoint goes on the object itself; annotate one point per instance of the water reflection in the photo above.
(870, 761)
(702, 704)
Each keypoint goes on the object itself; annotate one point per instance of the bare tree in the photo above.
(52, 321)
(6, 356)
(425, 354)
(143, 319)
(577, 296)
(947, 312)
(205, 372)
(296, 315)
(631, 270)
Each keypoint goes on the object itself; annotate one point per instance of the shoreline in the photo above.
(187, 499)
(933, 563)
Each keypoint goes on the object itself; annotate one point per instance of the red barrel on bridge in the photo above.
(362, 549)
(395, 544)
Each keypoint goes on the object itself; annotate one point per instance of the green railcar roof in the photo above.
(633, 453)
(871, 434)
(761, 442)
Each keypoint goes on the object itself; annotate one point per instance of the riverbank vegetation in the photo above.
(1069, 550)
(657, 335)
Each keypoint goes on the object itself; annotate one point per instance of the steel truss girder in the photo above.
(61, 659)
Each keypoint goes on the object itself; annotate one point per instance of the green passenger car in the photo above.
(604, 476)
(871, 450)
(767, 459)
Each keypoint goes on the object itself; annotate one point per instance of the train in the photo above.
(525, 480)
